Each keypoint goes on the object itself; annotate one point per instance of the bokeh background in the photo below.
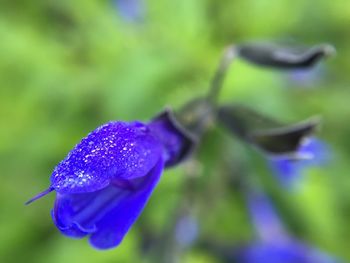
(67, 67)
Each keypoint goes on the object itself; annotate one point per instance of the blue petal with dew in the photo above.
(113, 151)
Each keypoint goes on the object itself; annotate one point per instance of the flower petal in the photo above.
(73, 231)
(266, 221)
(113, 151)
(274, 253)
(83, 210)
(314, 153)
(112, 228)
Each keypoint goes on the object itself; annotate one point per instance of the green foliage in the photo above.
(68, 66)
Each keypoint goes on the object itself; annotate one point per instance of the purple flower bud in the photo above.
(106, 180)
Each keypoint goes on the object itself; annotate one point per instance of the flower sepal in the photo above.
(268, 135)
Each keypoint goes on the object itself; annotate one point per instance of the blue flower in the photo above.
(306, 78)
(312, 153)
(130, 10)
(106, 180)
(274, 244)
(285, 252)
(186, 230)
(264, 218)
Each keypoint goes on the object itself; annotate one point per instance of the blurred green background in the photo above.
(67, 67)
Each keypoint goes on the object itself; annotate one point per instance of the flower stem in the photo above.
(198, 114)
(228, 56)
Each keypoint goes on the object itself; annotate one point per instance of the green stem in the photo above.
(216, 84)
(197, 115)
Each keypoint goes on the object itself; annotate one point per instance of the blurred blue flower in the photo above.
(306, 77)
(264, 218)
(106, 180)
(285, 252)
(313, 152)
(130, 10)
(186, 230)
(274, 245)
